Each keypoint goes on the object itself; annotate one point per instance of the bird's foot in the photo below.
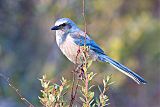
(79, 71)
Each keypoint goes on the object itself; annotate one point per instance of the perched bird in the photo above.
(71, 40)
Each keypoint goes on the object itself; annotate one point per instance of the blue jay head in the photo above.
(64, 24)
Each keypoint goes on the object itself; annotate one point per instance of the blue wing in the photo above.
(80, 40)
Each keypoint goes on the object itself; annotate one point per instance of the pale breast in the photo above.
(70, 49)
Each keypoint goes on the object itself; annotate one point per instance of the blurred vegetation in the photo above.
(54, 95)
(127, 30)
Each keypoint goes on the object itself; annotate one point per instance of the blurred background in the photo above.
(127, 30)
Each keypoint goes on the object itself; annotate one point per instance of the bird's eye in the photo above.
(64, 24)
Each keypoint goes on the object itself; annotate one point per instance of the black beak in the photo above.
(55, 28)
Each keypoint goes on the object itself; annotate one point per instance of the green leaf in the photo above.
(89, 63)
(91, 102)
(91, 87)
(91, 95)
(82, 99)
(99, 89)
(104, 83)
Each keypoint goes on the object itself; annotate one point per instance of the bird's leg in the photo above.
(79, 71)
(78, 51)
(81, 74)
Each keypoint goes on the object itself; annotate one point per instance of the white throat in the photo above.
(59, 36)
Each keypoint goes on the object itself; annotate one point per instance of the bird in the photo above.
(71, 41)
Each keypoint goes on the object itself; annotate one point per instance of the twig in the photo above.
(74, 93)
(85, 30)
(83, 14)
(76, 88)
(86, 87)
(16, 90)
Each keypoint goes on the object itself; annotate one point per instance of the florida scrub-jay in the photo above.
(71, 38)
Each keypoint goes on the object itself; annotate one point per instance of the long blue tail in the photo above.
(122, 68)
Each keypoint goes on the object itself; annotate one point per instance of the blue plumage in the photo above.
(81, 41)
(104, 58)
(69, 38)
